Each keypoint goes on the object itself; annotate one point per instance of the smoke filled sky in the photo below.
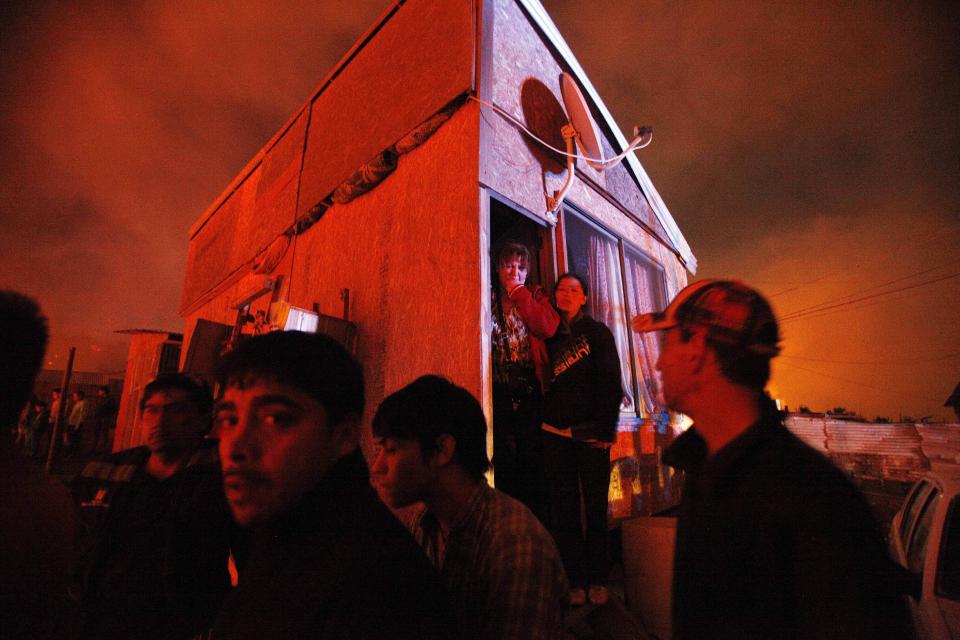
(810, 149)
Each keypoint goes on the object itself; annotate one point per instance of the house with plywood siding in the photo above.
(377, 206)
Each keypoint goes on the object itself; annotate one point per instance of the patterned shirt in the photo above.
(511, 344)
(501, 567)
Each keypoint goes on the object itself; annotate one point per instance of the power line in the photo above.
(811, 311)
(803, 284)
(825, 304)
(948, 356)
(902, 394)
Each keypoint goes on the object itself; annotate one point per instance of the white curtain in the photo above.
(642, 296)
(606, 304)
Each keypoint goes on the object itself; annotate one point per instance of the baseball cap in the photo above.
(733, 313)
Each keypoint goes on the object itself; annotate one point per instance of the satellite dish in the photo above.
(579, 115)
(582, 129)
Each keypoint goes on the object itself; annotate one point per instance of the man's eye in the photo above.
(224, 420)
(281, 419)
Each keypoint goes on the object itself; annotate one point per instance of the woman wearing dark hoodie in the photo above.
(580, 419)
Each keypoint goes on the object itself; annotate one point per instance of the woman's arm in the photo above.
(535, 309)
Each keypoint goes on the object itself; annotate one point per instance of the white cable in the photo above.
(604, 164)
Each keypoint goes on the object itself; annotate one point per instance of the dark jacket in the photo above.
(585, 391)
(773, 541)
(38, 527)
(337, 565)
(171, 585)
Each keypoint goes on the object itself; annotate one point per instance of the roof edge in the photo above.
(549, 29)
(252, 164)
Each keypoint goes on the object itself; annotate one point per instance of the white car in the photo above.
(925, 541)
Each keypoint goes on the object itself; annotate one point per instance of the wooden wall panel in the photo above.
(259, 210)
(211, 254)
(420, 60)
(409, 253)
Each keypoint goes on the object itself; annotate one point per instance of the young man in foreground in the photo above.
(329, 560)
(499, 563)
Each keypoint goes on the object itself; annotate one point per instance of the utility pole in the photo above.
(64, 394)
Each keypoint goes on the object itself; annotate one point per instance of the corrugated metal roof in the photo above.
(810, 430)
(940, 442)
(881, 439)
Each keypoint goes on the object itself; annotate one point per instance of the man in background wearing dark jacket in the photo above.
(158, 527)
(773, 541)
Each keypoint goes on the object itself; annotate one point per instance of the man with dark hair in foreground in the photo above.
(158, 528)
(773, 541)
(501, 566)
(37, 522)
(328, 559)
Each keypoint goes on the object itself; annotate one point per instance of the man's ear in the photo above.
(697, 348)
(446, 447)
(346, 435)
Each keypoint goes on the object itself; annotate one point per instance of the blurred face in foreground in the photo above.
(276, 443)
(172, 425)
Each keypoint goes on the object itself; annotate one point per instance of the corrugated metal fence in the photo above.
(871, 451)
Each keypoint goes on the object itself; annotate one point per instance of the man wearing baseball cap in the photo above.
(773, 541)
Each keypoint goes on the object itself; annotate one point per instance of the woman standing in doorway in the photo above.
(522, 319)
(580, 419)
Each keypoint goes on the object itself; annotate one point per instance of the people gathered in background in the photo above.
(523, 319)
(579, 424)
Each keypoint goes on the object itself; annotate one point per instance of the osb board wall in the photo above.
(421, 59)
(409, 253)
(511, 164)
(143, 361)
(260, 209)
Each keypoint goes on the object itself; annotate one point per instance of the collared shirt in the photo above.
(501, 567)
(78, 413)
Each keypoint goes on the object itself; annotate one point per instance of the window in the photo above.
(644, 295)
(917, 498)
(614, 300)
(917, 546)
(948, 565)
(624, 282)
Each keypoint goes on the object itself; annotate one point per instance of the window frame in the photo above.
(623, 246)
(929, 505)
(948, 535)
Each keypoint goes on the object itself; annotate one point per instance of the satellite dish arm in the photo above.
(554, 201)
